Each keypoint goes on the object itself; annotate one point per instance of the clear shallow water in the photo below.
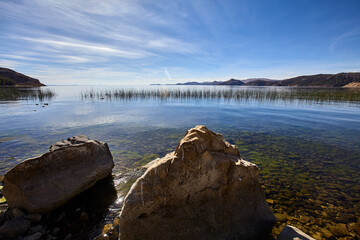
(308, 151)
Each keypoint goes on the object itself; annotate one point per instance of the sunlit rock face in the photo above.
(41, 184)
(202, 190)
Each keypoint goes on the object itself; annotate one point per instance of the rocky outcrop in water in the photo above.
(41, 184)
(202, 190)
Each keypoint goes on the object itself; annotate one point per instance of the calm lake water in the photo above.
(307, 148)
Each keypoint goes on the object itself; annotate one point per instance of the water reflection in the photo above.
(36, 94)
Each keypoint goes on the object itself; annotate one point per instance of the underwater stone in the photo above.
(42, 184)
(339, 229)
(326, 233)
(202, 190)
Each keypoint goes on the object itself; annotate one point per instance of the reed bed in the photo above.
(237, 94)
(38, 94)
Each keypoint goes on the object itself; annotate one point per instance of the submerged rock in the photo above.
(41, 184)
(339, 229)
(202, 190)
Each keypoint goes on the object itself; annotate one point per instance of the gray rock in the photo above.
(84, 216)
(17, 212)
(202, 190)
(14, 228)
(34, 236)
(49, 237)
(34, 217)
(56, 231)
(291, 232)
(69, 142)
(42, 184)
(44, 232)
(35, 229)
(60, 217)
(68, 236)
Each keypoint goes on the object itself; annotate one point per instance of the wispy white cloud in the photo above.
(78, 48)
(172, 45)
(9, 63)
(18, 57)
(343, 37)
(99, 33)
(74, 59)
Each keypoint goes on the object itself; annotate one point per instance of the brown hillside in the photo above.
(19, 79)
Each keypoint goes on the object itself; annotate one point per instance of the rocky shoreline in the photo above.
(69, 193)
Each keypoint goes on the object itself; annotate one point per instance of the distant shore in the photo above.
(351, 79)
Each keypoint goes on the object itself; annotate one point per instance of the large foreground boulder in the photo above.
(41, 184)
(202, 190)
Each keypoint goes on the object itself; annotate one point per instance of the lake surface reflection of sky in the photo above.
(308, 151)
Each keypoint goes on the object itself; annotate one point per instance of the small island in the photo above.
(11, 78)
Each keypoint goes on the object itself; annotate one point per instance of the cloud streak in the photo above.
(82, 47)
(106, 29)
(167, 74)
(343, 37)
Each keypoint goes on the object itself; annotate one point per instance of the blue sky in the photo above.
(153, 41)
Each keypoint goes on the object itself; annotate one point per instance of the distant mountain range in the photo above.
(257, 79)
(231, 81)
(9, 77)
(319, 80)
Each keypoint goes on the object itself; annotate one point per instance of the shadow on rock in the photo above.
(82, 216)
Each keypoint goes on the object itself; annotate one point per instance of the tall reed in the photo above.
(236, 94)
